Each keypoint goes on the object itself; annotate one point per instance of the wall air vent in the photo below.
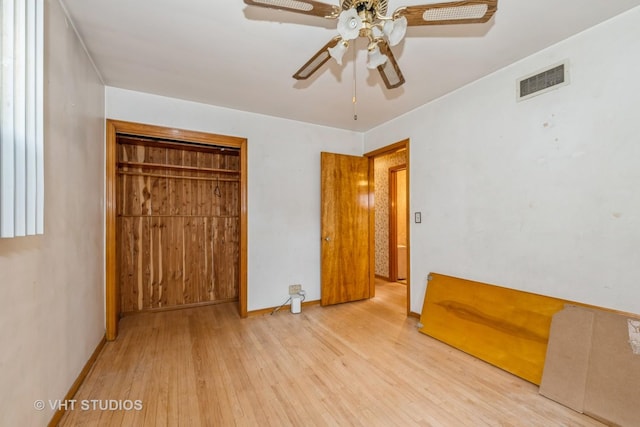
(543, 81)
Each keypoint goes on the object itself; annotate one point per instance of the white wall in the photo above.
(541, 195)
(284, 184)
(52, 305)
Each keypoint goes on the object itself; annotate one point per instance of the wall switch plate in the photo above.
(294, 289)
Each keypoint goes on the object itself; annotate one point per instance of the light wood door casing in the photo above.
(345, 240)
(397, 220)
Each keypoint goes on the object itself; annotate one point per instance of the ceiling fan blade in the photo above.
(457, 12)
(307, 7)
(390, 71)
(316, 61)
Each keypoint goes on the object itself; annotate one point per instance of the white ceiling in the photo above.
(226, 53)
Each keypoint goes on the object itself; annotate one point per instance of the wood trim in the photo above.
(244, 228)
(112, 308)
(393, 228)
(388, 149)
(408, 193)
(57, 416)
(115, 127)
(176, 135)
(393, 221)
(400, 145)
(372, 229)
(149, 142)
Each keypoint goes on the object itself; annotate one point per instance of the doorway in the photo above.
(397, 223)
(389, 178)
(158, 139)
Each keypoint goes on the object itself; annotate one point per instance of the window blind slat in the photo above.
(39, 115)
(20, 118)
(30, 124)
(21, 145)
(6, 138)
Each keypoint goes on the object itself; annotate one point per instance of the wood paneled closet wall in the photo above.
(178, 223)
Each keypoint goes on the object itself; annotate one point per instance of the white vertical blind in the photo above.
(21, 118)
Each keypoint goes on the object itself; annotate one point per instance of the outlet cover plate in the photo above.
(294, 289)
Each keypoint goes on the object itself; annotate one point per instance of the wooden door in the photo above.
(345, 254)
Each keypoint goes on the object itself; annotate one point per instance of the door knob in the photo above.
(328, 239)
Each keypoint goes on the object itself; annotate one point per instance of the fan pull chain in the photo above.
(355, 91)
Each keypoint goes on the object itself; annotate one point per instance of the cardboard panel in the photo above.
(613, 382)
(564, 376)
(591, 366)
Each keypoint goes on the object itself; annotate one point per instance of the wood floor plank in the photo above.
(356, 364)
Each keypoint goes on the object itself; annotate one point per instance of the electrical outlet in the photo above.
(294, 289)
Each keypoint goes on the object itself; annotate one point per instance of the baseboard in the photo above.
(78, 382)
(414, 314)
(270, 310)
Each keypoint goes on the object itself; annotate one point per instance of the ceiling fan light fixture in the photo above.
(337, 52)
(375, 58)
(349, 24)
(368, 19)
(395, 30)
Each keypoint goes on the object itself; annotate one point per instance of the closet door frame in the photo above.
(115, 127)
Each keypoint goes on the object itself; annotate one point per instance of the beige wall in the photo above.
(52, 304)
(540, 195)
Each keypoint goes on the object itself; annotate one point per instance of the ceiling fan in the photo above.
(367, 18)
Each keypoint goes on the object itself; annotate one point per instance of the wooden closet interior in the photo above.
(177, 223)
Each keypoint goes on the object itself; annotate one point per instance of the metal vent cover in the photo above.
(543, 81)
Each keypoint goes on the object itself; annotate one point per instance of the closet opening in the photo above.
(176, 220)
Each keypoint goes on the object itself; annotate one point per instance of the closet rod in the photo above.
(178, 216)
(178, 167)
(196, 178)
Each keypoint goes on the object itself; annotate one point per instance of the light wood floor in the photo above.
(357, 364)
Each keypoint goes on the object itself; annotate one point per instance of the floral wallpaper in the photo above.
(381, 201)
